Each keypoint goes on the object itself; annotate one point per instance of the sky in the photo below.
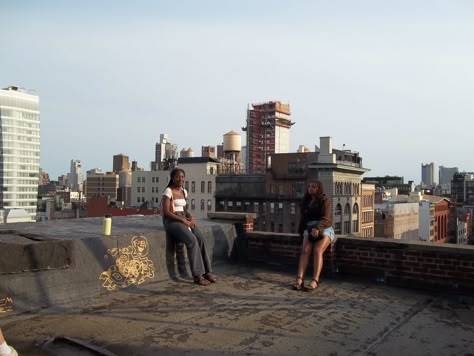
(392, 80)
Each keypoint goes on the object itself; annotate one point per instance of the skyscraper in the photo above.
(74, 177)
(19, 150)
(268, 132)
(428, 175)
(166, 154)
(446, 175)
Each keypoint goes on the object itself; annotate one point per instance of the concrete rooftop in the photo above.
(60, 306)
(252, 311)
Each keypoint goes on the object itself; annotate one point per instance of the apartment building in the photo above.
(268, 131)
(19, 150)
(276, 195)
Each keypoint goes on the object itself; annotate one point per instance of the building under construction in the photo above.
(268, 132)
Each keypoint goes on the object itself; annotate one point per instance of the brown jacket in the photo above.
(320, 211)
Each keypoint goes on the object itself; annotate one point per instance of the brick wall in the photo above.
(413, 264)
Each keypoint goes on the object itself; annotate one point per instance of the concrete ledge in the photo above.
(87, 264)
(35, 256)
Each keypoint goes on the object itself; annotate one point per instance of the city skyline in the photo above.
(386, 80)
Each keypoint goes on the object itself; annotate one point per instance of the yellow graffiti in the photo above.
(132, 266)
(5, 305)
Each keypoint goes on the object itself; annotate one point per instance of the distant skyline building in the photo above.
(428, 175)
(208, 151)
(446, 176)
(121, 163)
(74, 177)
(166, 154)
(268, 131)
(19, 150)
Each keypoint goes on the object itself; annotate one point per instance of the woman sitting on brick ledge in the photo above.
(316, 229)
(181, 226)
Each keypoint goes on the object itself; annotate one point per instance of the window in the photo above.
(203, 204)
(272, 209)
(255, 207)
(186, 185)
(293, 208)
(193, 204)
(347, 209)
(138, 199)
(280, 227)
(337, 228)
(355, 209)
(143, 189)
(139, 179)
(230, 204)
(203, 186)
(347, 227)
(138, 189)
(209, 205)
(193, 187)
(338, 210)
(355, 226)
(152, 189)
(280, 207)
(153, 179)
(209, 187)
(212, 170)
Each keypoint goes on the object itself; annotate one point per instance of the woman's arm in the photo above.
(326, 218)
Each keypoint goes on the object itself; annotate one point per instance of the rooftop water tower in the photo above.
(232, 146)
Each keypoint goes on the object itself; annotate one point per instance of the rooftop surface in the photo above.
(251, 310)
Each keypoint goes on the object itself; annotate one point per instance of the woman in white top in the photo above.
(181, 226)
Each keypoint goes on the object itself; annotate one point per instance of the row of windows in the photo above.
(192, 203)
(203, 186)
(347, 209)
(20, 159)
(20, 182)
(15, 144)
(367, 200)
(32, 188)
(17, 153)
(19, 114)
(346, 188)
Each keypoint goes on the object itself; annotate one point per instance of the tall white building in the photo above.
(19, 150)
(74, 177)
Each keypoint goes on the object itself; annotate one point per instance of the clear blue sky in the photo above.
(393, 80)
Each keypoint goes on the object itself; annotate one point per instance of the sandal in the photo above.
(309, 287)
(210, 277)
(201, 281)
(297, 285)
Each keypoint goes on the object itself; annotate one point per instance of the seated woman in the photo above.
(316, 229)
(181, 226)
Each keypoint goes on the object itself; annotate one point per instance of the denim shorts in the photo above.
(329, 231)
